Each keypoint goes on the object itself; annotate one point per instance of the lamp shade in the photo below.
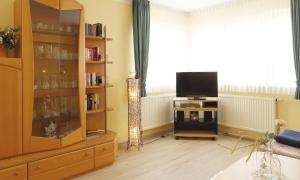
(134, 113)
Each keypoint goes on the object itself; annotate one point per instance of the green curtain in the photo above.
(295, 9)
(141, 29)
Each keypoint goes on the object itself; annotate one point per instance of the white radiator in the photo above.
(156, 111)
(249, 113)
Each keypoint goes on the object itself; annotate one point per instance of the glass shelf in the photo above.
(55, 92)
(40, 31)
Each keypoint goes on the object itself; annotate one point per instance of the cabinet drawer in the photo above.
(104, 149)
(104, 160)
(66, 172)
(14, 173)
(55, 162)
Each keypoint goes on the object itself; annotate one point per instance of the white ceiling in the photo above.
(188, 5)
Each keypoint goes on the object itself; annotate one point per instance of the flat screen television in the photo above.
(197, 85)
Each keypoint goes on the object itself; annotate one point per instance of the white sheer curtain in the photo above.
(168, 49)
(249, 43)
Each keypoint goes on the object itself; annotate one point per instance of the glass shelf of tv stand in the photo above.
(186, 104)
(199, 121)
(186, 99)
(196, 109)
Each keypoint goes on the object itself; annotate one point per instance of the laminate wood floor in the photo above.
(167, 158)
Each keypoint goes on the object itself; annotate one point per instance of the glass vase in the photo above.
(269, 166)
(3, 51)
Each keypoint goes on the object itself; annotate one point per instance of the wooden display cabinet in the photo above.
(42, 97)
(52, 43)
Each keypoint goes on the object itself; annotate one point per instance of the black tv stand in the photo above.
(195, 117)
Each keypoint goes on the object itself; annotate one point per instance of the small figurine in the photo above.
(50, 131)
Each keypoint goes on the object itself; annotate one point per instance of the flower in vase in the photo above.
(278, 124)
(8, 37)
(263, 143)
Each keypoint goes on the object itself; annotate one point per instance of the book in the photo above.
(86, 27)
(93, 54)
(93, 79)
(99, 30)
(92, 102)
(94, 30)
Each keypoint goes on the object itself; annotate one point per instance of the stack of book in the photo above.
(92, 54)
(92, 102)
(93, 79)
(94, 30)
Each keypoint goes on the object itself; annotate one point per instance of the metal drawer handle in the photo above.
(38, 167)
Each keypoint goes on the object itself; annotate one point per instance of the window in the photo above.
(249, 43)
(168, 49)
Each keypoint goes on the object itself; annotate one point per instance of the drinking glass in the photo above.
(70, 56)
(75, 56)
(46, 27)
(56, 52)
(39, 26)
(48, 51)
(46, 107)
(74, 80)
(64, 54)
(63, 83)
(55, 106)
(64, 105)
(37, 84)
(75, 29)
(45, 81)
(61, 28)
(70, 80)
(39, 51)
(69, 29)
(51, 27)
(54, 81)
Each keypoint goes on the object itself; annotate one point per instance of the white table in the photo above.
(241, 170)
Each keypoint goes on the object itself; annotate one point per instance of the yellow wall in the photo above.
(117, 16)
(6, 12)
(289, 109)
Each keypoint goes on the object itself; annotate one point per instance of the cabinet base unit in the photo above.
(195, 117)
(93, 153)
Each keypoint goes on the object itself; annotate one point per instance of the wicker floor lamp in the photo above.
(134, 114)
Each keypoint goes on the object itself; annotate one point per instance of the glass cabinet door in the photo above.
(56, 94)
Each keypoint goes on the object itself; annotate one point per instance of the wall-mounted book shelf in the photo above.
(96, 62)
(98, 87)
(99, 62)
(98, 38)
